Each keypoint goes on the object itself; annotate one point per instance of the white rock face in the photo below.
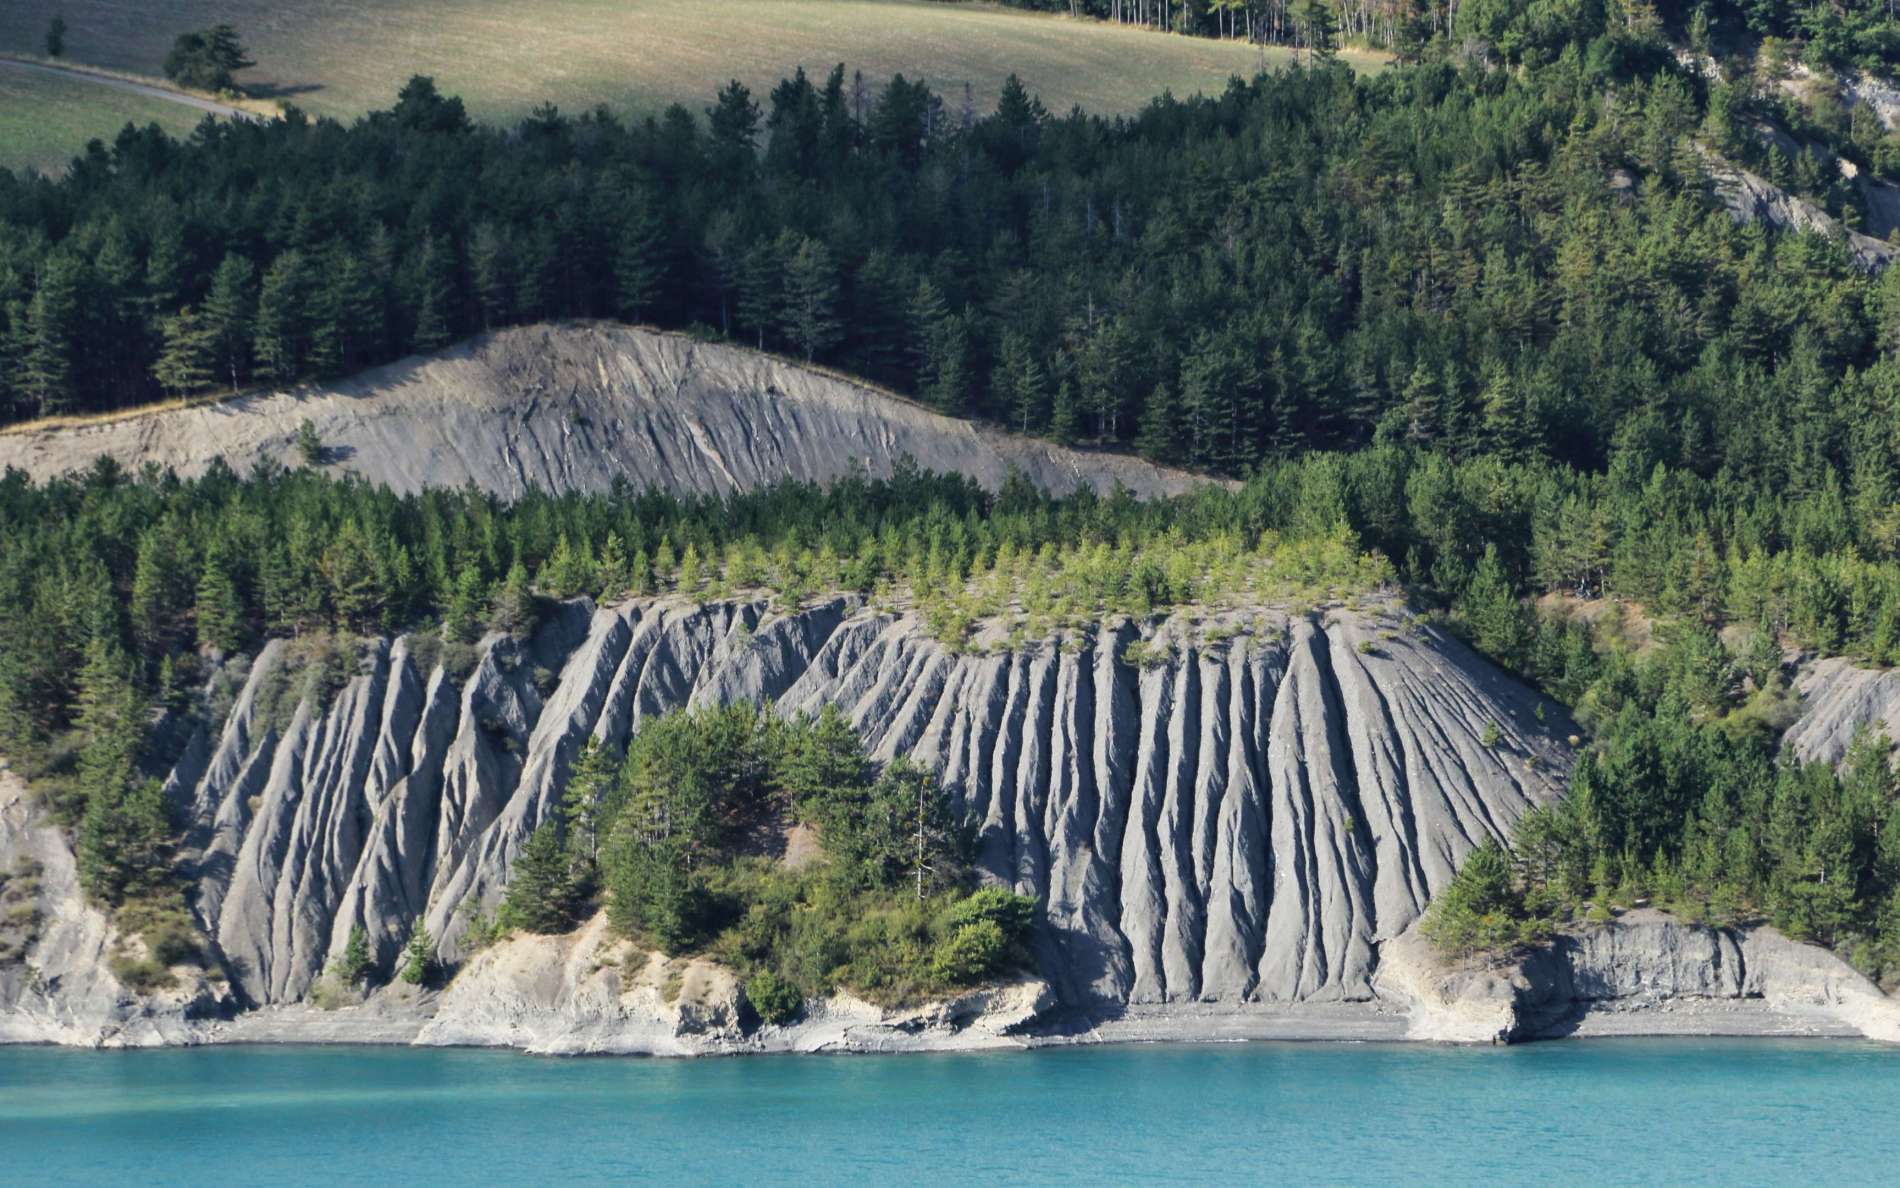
(589, 993)
(1645, 974)
(1243, 822)
(575, 407)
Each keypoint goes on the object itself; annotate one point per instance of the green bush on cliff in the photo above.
(776, 1000)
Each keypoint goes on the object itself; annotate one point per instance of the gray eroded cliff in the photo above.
(1838, 700)
(1242, 821)
(1646, 973)
(576, 407)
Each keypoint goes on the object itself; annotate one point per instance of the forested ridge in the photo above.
(1475, 326)
(1517, 262)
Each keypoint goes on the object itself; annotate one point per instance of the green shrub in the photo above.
(141, 975)
(777, 1000)
(970, 954)
(166, 927)
(1014, 914)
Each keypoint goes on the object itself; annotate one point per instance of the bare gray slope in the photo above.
(574, 407)
(1241, 822)
(1838, 700)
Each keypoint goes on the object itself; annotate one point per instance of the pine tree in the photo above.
(759, 281)
(229, 309)
(353, 966)
(1507, 428)
(639, 260)
(1422, 401)
(184, 363)
(492, 264)
(219, 612)
(353, 572)
(1019, 383)
(1156, 437)
(1500, 625)
(1065, 419)
(346, 320)
(462, 618)
(125, 830)
(943, 373)
(514, 609)
(161, 589)
(432, 289)
(167, 268)
(610, 572)
(281, 334)
(569, 569)
(588, 796)
(541, 893)
(45, 376)
(419, 958)
(809, 315)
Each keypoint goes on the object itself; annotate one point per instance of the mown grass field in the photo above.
(343, 57)
(46, 120)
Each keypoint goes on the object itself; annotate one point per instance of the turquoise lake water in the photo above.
(1608, 1111)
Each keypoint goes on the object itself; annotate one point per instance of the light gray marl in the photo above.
(575, 407)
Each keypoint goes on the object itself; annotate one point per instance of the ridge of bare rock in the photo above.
(566, 406)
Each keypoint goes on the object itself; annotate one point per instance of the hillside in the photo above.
(575, 407)
(47, 118)
(345, 59)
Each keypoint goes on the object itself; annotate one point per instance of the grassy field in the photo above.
(45, 120)
(343, 57)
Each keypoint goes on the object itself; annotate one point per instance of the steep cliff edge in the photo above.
(575, 407)
(1238, 819)
(1243, 818)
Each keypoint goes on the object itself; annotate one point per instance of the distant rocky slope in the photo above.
(1237, 818)
(574, 407)
(1839, 699)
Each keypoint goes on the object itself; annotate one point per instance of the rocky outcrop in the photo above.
(1752, 199)
(577, 407)
(589, 993)
(1840, 699)
(60, 987)
(1238, 816)
(1645, 974)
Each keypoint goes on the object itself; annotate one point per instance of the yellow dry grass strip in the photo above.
(130, 413)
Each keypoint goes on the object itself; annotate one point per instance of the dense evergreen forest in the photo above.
(1861, 33)
(1516, 262)
(1474, 325)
